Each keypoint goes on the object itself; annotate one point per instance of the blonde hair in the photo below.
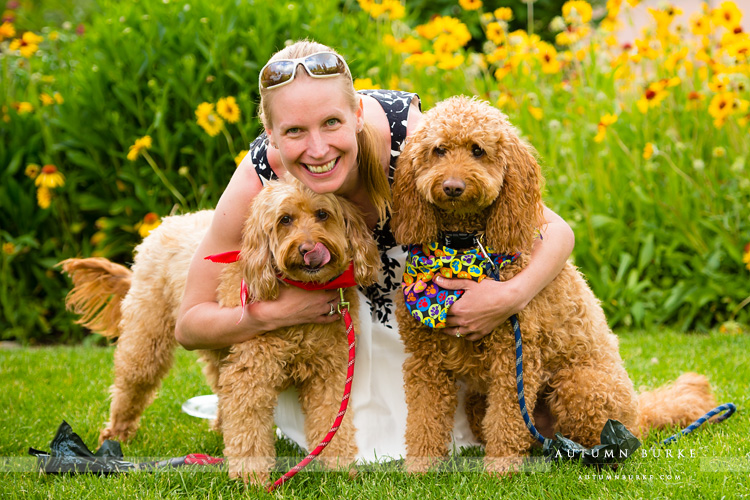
(368, 159)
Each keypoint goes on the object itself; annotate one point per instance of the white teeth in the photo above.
(321, 169)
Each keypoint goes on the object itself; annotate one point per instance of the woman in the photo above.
(334, 139)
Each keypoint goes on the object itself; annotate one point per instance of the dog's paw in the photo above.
(252, 471)
(503, 466)
(119, 433)
(420, 465)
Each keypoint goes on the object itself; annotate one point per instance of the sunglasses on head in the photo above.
(318, 65)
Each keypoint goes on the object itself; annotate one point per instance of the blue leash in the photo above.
(729, 408)
(519, 380)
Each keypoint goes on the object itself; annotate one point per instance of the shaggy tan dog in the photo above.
(466, 170)
(286, 221)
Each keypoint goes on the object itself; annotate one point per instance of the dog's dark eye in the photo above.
(285, 220)
(440, 151)
(477, 151)
(321, 215)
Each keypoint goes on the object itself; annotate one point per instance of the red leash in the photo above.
(344, 310)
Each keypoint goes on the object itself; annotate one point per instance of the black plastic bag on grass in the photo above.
(69, 454)
(617, 444)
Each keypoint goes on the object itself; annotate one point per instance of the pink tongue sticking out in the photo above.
(318, 256)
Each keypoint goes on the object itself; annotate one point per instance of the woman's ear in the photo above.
(413, 220)
(517, 212)
(271, 142)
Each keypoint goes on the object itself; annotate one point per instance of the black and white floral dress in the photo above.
(377, 400)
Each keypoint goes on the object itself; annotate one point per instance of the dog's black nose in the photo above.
(454, 187)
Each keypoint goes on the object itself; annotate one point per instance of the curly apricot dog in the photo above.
(465, 170)
(290, 232)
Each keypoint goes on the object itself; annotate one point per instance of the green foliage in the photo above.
(661, 240)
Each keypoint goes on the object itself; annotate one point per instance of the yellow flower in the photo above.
(392, 8)
(7, 31)
(746, 256)
(537, 113)
(395, 10)
(9, 248)
(238, 159)
(46, 99)
(700, 24)
(504, 100)
(228, 109)
(727, 15)
(43, 197)
(140, 144)
(721, 106)
(207, 119)
(600, 134)
(652, 96)
(408, 45)
(50, 178)
(364, 83)
(451, 29)
(675, 57)
(497, 55)
(719, 152)
(664, 17)
(495, 33)
(58, 98)
(470, 4)
(577, 12)
(604, 122)
(149, 223)
(739, 48)
(421, 59)
(449, 61)
(503, 14)
(648, 151)
(547, 56)
(28, 44)
(23, 107)
(503, 71)
(608, 119)
(32, 170)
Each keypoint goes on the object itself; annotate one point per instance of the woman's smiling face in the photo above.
(315, 130)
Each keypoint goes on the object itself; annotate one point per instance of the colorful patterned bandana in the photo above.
(425, 300)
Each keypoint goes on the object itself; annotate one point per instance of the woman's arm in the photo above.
(486, 305)
(201, 322)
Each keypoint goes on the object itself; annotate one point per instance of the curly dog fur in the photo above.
(573, 371)
(140, 308)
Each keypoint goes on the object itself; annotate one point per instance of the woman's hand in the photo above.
(483, 307)
(293, 306)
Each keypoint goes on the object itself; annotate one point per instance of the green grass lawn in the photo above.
(42, 386)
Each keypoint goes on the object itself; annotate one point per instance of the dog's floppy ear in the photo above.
(256, 255)
(518, 211)
(413, 220)
(363, 247)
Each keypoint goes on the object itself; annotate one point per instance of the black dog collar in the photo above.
(459, 241)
